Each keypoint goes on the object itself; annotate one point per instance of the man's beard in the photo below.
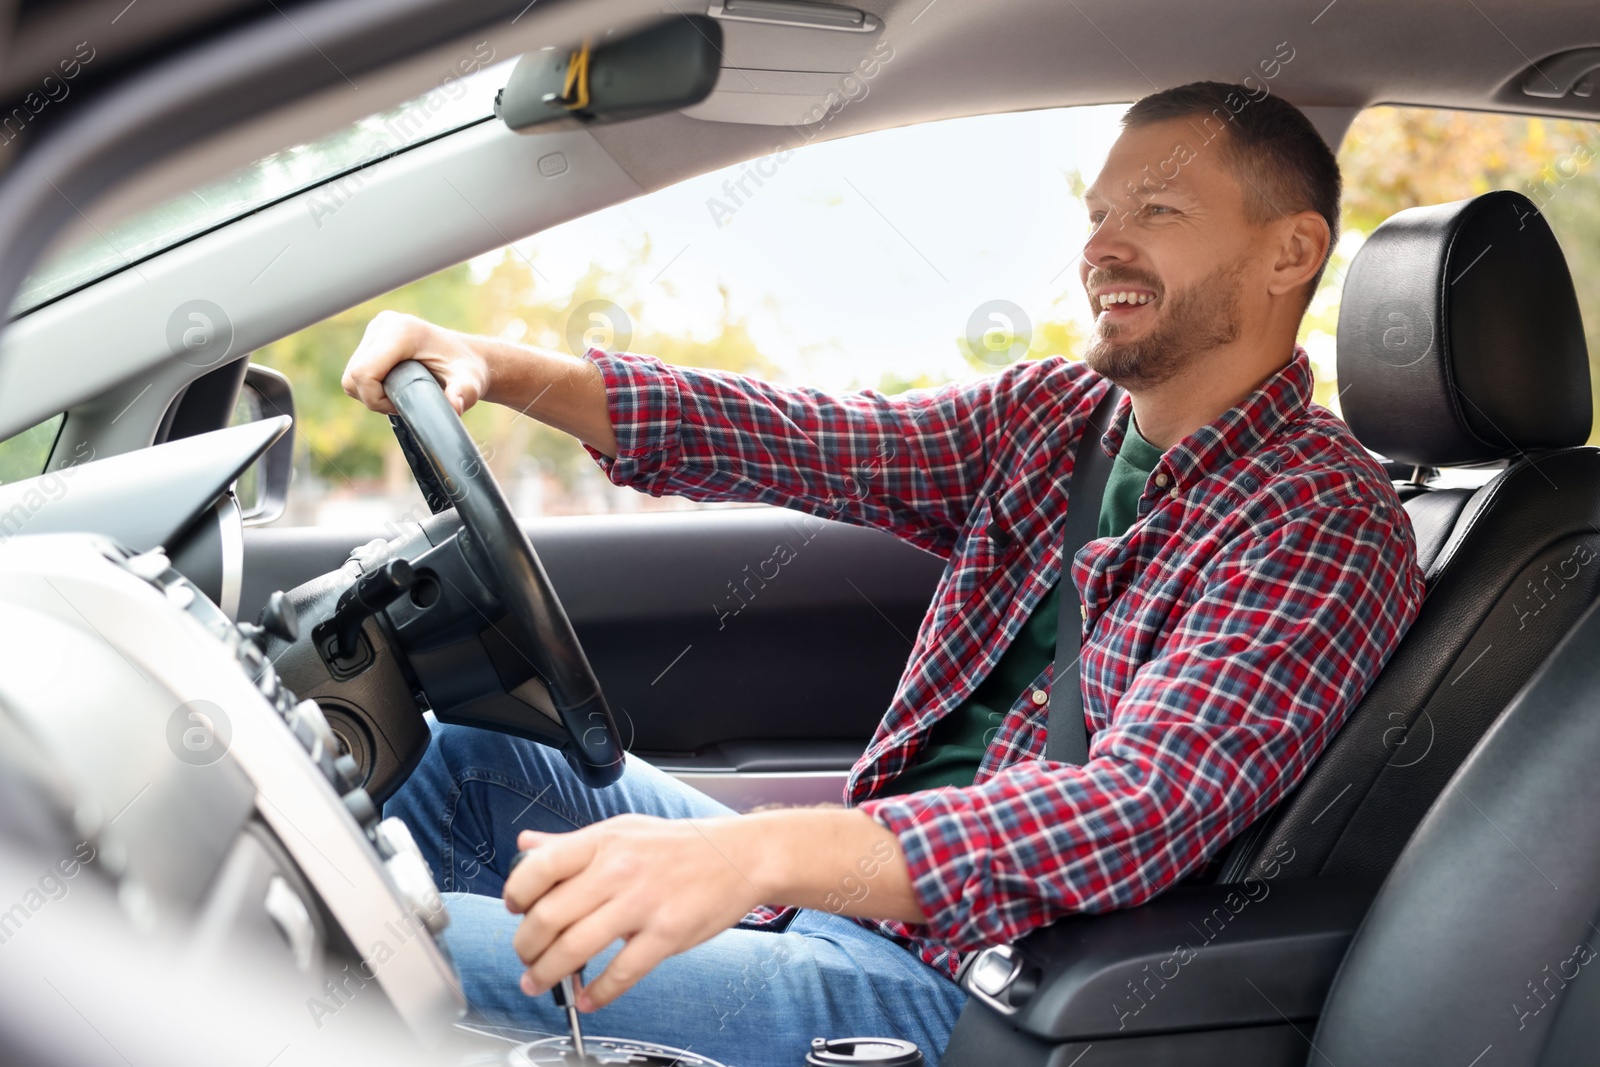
(1203, 317)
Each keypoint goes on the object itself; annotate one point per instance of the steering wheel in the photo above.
(504, 560)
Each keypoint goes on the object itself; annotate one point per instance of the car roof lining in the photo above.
(955, 60)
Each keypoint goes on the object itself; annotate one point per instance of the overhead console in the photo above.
(786, 63)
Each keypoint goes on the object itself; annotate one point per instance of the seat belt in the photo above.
(1067, 736)
(1067, 739)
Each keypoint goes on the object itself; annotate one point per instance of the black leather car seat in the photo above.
(1481, 948)
(1460, 343)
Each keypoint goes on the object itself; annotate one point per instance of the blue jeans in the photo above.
(746, 997)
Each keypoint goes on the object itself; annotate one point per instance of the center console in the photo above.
(1201, 975)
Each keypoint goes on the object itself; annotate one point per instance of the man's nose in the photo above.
(1108, 244)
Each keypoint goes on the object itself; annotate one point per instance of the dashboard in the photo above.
(153, 751)
(205, 788)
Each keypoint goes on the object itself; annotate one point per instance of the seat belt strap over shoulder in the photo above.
(1067, 737)
(1067, 740)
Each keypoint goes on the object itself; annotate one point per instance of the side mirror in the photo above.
(668, 67)
(263, 489)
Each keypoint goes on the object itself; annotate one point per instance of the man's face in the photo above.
(1168, 227)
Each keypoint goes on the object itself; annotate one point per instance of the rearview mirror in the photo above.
(668, 67)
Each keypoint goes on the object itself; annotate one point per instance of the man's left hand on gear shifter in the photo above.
(666, 885)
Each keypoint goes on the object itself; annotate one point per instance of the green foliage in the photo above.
(344, 442)
(1399, 157)
(24, 455)
(1394, 158)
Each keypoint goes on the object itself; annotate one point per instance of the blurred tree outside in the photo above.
(352, 450)
(1395, 158)
(24, 455)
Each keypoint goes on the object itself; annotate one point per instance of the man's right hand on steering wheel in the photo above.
(566, 392)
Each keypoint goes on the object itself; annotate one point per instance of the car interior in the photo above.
(1428, 889)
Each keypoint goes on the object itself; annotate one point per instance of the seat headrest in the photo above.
(1460, 340)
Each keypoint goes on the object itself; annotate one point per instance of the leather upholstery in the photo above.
(1460, 340)
(1433, 518)
(1483, 935)
(1520, 567)
(1509, 568)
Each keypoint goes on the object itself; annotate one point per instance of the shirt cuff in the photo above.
(644, 402)
(947, 849)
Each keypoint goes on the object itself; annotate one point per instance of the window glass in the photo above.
(909, 257)
(247, 409)
(24, 455)
(464, 95)
(903, 258)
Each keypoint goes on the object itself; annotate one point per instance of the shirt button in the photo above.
(1040, 696)
(1162, 480)
(1173, 494)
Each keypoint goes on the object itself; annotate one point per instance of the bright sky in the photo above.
(868, 254)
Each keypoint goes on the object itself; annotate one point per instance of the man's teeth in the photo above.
(1107, 299)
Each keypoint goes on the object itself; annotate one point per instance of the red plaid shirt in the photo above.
(1228, 632)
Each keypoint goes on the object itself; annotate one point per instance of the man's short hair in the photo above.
(1281, 161)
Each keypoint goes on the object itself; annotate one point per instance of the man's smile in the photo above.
(1122, 304)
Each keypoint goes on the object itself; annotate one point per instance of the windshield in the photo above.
(463, 97)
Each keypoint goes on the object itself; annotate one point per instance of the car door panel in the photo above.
(750, 650)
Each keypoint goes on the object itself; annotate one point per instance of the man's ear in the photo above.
(1303, 240)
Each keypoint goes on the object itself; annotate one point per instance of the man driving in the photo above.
(1251, 571)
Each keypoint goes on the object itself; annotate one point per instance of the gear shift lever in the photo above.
(566, 994)
(566, 991)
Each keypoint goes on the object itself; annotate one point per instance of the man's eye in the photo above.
(1151, 209)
